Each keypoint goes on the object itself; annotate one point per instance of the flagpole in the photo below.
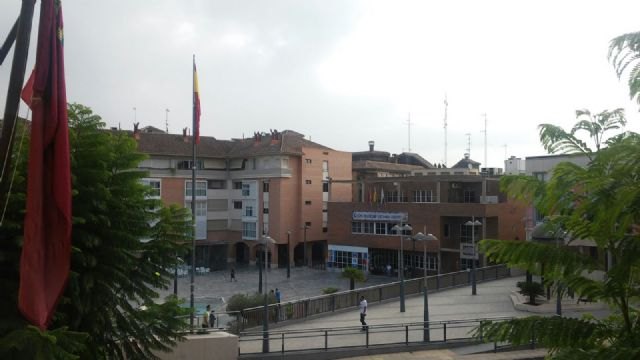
(193, 191)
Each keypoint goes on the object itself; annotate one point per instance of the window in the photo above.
(343, 259)
(368, 228)
(356, 227)
(249, 230)
(325, 229)
(201, 188)
(446, 230)
(253, 164)
(154, 184)
(265, 187)
(308, 182)
(237, 204)
(186, 164)
(308, 161)
(237, 185)
(423, 196)
(308, 223)
(325, 187)
(308, 202)
(469, 196)
(325, 165)
(395, 196)
(265, 210)
(540, 175)
(216, 184)
(246, 190)
(201, 208)
(381, 228)
(265, 207)
(248, 211)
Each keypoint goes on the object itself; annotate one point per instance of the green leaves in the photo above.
(624, 54)
(599, 203)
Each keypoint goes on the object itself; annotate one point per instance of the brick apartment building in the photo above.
(275, 184)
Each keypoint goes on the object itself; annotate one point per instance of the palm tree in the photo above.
(353, 275)
(624, 53)
(599, 202)
(556, 140)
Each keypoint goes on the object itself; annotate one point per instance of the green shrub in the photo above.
(531, 289)
(329, 290)
(240, 302)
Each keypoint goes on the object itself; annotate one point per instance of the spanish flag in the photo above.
(196, 104)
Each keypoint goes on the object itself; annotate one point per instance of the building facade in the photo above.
(274, 184)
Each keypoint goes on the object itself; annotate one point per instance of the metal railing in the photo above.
(304, 308)
(446, 331)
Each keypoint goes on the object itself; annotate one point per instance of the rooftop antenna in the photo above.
(468, 135)
(446, 105)
(135, 115)
(409, 131)
(485, 140)
(166, 120)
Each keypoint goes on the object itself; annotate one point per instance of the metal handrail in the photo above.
(304, 308)
(287, 341)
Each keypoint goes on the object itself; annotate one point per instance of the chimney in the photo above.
(136, 132)
(185, 136)
(371, 144)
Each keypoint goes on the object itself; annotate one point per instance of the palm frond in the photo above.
(550, 332)
(555, 140)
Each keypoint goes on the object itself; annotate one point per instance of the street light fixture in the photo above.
(425, 318)
(266, 241)
(400, 229)
(473, 223)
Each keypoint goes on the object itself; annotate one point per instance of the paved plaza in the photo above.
(215, 288)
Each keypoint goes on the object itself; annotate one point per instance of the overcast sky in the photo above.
(346, 72)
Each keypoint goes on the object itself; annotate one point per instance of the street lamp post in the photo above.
(266, 240)
(288, 254)
(425, 318)
(399, 229)
(473, 223)
(304, 246)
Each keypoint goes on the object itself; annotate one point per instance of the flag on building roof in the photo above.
(46, 250)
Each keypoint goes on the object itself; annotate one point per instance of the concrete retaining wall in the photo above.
(212, 346)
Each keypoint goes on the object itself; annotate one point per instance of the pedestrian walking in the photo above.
(233, 275)
(363, 313)
(205, 317)
(278, 296)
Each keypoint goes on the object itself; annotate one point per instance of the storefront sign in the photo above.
(380, 216)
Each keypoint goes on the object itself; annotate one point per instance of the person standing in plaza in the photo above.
(233, 275)
(363, 312)
(278, 296)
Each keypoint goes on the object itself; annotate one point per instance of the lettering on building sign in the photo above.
(380, 216)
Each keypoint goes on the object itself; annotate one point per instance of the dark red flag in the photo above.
(46, 252)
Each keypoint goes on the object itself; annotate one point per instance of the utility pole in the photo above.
(468, 135)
